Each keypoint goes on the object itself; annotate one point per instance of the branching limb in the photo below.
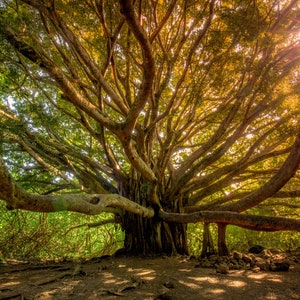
(253, 222)
(148, 64)
(90, 204)
(284, 174)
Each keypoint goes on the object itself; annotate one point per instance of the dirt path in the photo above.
(142, 278)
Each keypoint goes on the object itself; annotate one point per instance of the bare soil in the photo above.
(142, 278)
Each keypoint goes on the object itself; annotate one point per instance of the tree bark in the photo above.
(253, 222)
(207, 244)
(146, 232)
(150, 236)
(270, 188)
(153, 237)
(222, 246)
(142, 236)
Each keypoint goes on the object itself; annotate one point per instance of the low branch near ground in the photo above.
(253, 222)
(90, 204)
(239, 195)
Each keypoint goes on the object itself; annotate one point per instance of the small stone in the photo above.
(220, 259)
(236, 267)
(252, 264)
(235, 264)
(296, 260)
(259, 259)
(230, 266)
(207, 265)
(263, 266)
(273, 267)
(275, 251)
(256, 269)
(247, 259)
(283, 265)
(213, 258)
(226, 258)
(241, 262)
(164, 296)
(256, 249)
(169, 285)
(237, 255)
(252, 256)
(223, 269)
(266, 253)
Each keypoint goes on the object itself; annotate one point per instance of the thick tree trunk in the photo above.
(222, 246)
(152, 237)
(141, 235)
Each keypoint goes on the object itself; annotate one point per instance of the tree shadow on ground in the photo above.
(141, 278)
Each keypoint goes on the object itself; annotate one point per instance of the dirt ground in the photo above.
(142, 278)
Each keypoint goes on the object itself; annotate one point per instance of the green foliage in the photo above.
(242, 239)
(28, 235)
(239, 239)
(195, 238)
(84, 109)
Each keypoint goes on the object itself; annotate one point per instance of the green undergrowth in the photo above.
(239, 239)
(28, 235)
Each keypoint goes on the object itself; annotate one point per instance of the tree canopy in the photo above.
(175, 111)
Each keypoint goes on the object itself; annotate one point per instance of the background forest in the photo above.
(151, 118)
(27, 235)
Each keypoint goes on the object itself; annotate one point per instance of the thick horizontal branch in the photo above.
(239, 195)
(253, 222)
(91, 204)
